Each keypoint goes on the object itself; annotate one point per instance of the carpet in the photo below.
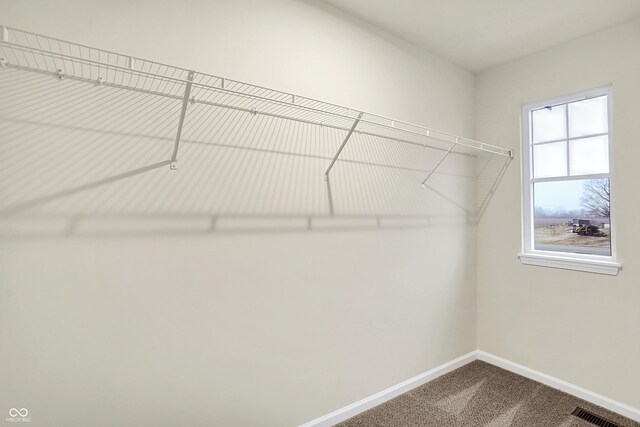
(480, 394)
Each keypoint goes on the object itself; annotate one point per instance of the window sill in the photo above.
(554, 261)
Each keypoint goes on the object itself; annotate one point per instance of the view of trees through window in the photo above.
(570, 177)
(573, 216)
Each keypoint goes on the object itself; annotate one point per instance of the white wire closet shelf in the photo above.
(244, 149)
(66, 60)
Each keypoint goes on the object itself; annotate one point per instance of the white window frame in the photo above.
(565, 260)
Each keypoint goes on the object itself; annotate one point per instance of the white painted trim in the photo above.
(571, 263)
(577, 391)
(354, 409)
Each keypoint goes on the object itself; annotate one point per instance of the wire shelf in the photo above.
(93, 142)
(63, 59)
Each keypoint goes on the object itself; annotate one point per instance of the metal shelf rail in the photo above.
(66, 60)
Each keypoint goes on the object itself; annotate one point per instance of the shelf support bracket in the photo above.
(173, 164)
(353, 128)
(432, 171)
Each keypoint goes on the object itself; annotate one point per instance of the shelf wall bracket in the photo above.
(173, 163)
(435, 168)
(353, 128)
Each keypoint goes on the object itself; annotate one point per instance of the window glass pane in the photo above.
(588, 117)
(549, 124)
(589, 155)
(572, 216)
(550, 160)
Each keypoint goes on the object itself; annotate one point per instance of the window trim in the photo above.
(566, 260)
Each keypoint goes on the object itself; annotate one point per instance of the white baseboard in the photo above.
(354, 409)
(577, 391)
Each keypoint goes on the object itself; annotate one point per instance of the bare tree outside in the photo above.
(572, 216)
(595, 199)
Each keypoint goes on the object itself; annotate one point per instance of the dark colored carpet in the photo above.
(480, 394)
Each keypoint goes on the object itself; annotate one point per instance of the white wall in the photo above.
(235, 329)
(580, 327)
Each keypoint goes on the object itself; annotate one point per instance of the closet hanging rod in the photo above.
(81, 61)
(276, 97)
(247, 110)
(132, 60)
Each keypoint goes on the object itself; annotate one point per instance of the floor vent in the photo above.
(593, 418)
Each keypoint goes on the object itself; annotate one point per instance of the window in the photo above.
(567, 183)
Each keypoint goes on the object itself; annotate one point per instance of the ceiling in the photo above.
(480, 34)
